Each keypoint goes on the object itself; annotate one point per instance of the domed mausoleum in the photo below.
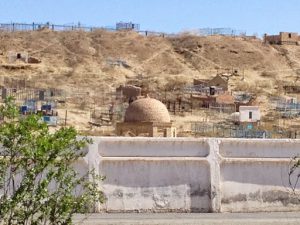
(146, 117)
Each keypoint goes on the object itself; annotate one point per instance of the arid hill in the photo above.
(99, 61)
(82, 57)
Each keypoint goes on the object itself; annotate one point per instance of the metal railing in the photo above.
(13, 27)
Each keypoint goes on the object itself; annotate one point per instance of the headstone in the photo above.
(4, 93)
(41, 95)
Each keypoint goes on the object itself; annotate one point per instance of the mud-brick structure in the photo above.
(128, 92)
(217, 81)
(146, 117)
(291, 38)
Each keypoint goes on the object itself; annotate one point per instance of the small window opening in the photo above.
(250, 115)
(290, 35)
(19, 56)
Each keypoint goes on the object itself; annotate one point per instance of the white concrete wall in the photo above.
(254, 175)
(194, 175)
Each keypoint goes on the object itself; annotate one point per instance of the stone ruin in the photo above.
(22, 56)
(14, 56)
(128, 92)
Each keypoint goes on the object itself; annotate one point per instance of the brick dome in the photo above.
(147, 110)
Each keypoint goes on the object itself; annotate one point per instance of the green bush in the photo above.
(38, 184)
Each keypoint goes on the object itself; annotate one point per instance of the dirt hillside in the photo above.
(99, 61)
(83, 57)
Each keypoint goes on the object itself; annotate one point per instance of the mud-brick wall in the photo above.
(289, 38)
(194, 175)
(272, 39)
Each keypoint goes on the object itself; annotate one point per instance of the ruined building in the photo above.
(128, 92)
(282, 38)
(217, 81)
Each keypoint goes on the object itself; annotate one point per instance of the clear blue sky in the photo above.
(253, 16)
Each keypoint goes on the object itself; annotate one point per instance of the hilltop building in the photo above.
(291, 38)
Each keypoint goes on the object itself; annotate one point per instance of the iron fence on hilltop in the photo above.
(13, 27)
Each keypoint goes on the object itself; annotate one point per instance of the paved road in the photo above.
(190, 219)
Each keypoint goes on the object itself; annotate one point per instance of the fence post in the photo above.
(13, 27)
(33, 26)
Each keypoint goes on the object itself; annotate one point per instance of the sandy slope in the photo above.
(78, 62)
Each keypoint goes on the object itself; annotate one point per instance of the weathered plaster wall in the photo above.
(255, 175)
(194, 175)
(244, 113)
(256, 185)
(156, 184)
